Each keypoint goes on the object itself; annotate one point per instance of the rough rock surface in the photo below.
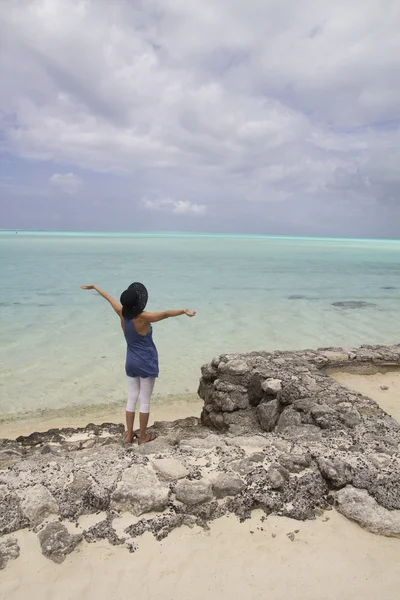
(291, 449)
(9, 550)
(225, 484)
(360, 507)
(140, 491)
(170, 469)
(37, 503)
(193, 492)
(56, 542)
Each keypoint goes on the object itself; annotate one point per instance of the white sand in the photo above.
(370, 385)
(329, 560)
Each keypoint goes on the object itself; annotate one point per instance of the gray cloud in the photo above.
(285, 114)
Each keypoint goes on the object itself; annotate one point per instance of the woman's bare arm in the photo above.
(166, 314)
(116, 305)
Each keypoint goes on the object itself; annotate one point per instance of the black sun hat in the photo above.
(134, 300)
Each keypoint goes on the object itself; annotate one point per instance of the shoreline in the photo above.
(369, 382)
(163, 408)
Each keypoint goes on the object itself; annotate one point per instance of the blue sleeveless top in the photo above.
(141, 352)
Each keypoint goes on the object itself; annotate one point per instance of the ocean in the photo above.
(62, 347)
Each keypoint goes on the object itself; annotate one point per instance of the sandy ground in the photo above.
(370, 385)
(160, 411)
(328, 560)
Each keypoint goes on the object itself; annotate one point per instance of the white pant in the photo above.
(139, 388)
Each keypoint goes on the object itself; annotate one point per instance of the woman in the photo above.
(141, 357)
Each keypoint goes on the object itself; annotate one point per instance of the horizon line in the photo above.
(193, 233)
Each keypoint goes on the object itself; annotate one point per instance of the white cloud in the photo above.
(179, 207)
(66, 182)
(236, 102)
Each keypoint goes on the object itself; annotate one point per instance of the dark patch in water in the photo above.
(26, 304)
(353, 304)
(11, 303)
(388, 287)
(296, 297)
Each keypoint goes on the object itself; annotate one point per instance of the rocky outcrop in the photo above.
(360, 507)
(276, 434)
(56, 542)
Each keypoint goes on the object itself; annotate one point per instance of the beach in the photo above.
(326, 556)
(328, 560)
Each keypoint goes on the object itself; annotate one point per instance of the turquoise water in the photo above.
(61, 346)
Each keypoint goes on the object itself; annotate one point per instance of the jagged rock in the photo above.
(272, 387)
(9, 550)
(323, 415)
(97, 497)
(295, 463)
(161, 526)
(139, 492)
(268, 414)
(248, 464)
(200, 446)
(359, 506)
(235, 369)
(11, 515)
(301, 433)
(9, 457)
(170, 469)
(228, 396)
(386, 488)
(351, 418)
(103, 531)
(277, 477)
(255, 390)
(193, 492)
(303, 494)
(209, 372)
(289, 394)
(37, 503)
(303, 404)
(56, 542)
(289, 417)
(225, 484)
(335, 471)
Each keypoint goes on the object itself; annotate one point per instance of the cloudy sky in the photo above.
(255, 116)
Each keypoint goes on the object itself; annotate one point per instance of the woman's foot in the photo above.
(149, 437)
(129, 437)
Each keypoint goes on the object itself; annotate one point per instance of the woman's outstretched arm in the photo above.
(116, 305)
(166, 314)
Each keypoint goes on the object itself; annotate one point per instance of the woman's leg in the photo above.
(146, 390)
(133, 395)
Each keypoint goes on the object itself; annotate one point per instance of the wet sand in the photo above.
(161, 410)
